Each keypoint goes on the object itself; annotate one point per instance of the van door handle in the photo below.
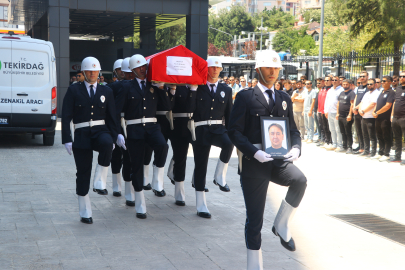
(22, 94)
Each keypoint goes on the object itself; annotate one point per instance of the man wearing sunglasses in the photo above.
(398, 118)
(323, 121)
(330, 113)
(361, 91)
(382, 115)
(243, 84)
(395, 80)
(366, 108)
(80, 76)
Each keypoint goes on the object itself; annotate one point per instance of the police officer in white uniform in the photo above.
(256, 167)
(89, 121)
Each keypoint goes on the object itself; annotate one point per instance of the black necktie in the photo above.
(271, 101)
(91, 92)
(212, 90)
(143, 86)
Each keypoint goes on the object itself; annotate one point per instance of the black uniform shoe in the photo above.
(290, 245)
(86, 220)
(356, 149)
(116, 193)
(371, 155)
(160, 193)
(395, 160)
(204, 214)
(222, 188)
(205, 189)
(172, 182)
(349, 151)
(365, 154)
(147, 187)
(181, 203)
(101, 191)
(130, 203)
(141, 216)
(357, 152)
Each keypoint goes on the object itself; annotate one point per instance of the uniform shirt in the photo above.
(368, 98)
(299, 106)
(263, 89)
(215, 87)
(361, 91)
(308, 100)
(332, 99)
(399, 108)
(345, 99)
(321, 99)
(88, 87)
(385, 96)
(139, 82)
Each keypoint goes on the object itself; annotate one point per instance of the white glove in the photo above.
(121, 141)
(292, 155)
(192, 87)
(68, 147)
(262, 156)
(158, 84)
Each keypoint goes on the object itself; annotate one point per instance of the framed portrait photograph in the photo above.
(275, 136)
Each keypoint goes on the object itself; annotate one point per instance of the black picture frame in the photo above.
(266, 122)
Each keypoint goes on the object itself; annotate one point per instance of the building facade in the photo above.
(100, 28)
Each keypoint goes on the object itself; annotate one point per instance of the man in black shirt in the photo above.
(398, 118)
(382, 113)
(361, 90)
(344, 115)
(288, 87)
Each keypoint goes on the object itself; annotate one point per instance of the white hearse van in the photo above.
(27, 86)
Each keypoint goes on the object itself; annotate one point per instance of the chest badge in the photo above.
(102, 98)
(385, 96)
(222, 94)
(284, 104)
(152, 90)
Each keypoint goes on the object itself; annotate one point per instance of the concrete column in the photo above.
(147, 34)
(197, 28)
(58, 34)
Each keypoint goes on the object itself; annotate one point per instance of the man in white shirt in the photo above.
(331, 102)
(367, 106)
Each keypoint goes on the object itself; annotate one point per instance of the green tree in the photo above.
(274, 19)
(232, 21)
(384, 18)
(172, 36)
(293, 40)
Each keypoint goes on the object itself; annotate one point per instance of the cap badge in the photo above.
(275, 59)
(138, 61)
(94, 65)
(216, 62)
(284, 104)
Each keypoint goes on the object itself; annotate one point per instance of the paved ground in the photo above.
(40, 228)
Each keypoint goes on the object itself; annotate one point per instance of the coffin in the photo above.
(177, 65)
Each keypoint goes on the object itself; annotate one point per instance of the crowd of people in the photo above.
(331, 107)
(375, 106)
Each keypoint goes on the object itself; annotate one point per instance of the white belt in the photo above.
(208, 122)
(90, 124)
(182, 114)
(141, 121)
(240, 154)
(161, 112)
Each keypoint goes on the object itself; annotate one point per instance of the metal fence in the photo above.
(376, 63)
(351, 64)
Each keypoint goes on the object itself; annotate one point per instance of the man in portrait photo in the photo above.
(276, 135)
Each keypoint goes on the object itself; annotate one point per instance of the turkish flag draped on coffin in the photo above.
(177, 65)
